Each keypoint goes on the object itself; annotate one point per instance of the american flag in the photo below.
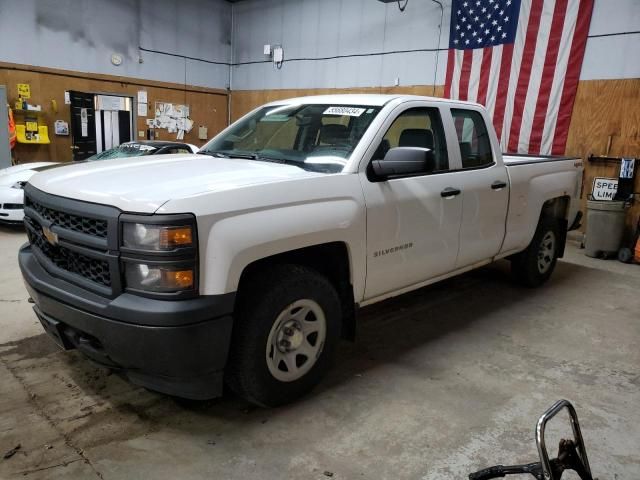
(522, 60)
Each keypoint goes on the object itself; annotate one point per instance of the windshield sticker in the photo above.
(137, 146)
(349, 111)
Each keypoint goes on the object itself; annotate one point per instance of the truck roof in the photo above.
(373, 99)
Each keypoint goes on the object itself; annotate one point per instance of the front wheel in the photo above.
(534, 266)
(285, 333)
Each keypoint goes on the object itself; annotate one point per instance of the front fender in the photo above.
(236, 241)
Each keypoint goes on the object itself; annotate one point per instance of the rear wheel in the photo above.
(286, 329)
(534, 266)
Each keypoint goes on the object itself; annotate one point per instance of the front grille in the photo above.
(71, 261)
(13, 206)
(88, 225)
(74, 240)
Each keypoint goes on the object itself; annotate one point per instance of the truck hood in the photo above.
(143, 184)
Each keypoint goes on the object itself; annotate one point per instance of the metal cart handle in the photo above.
(577, 435)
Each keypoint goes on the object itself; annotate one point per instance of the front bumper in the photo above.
(176, 347)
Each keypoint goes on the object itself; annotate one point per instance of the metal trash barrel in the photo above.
(605, 227)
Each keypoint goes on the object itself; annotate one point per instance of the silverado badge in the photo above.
(51, 237)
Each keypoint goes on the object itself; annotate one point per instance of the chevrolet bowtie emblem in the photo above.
(51, 237)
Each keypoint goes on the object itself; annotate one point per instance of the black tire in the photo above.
(525, 266)
(262, 298)
(625, 255)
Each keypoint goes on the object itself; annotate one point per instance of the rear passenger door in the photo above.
(486, 189)
(412, 227)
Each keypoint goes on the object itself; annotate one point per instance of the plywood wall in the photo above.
(606, 122)
(207, 106)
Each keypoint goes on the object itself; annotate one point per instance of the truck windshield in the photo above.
(314, 137)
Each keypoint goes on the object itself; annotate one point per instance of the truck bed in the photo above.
(533, 177)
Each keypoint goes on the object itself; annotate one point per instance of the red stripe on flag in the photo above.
(451, 60)
(525, 74)
(465, 73)
(503, 88)
(485, 70)
(571, 79)
(540, 115)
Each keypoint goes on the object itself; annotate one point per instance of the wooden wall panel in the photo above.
(207, 106)
(606, 122)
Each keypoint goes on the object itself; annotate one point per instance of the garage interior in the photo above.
(442, 381)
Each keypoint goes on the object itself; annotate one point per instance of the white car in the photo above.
(247, 263)
(12, 181)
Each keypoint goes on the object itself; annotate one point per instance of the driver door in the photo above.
(413, 224)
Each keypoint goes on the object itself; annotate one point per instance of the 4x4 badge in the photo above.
(51, 237)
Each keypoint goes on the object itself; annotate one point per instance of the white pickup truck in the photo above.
(246, 263)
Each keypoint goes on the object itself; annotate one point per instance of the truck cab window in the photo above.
(315, 137)
(473, 138)
(417, 127)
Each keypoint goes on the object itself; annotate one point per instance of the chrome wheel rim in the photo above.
(547, 252)
(296, 340)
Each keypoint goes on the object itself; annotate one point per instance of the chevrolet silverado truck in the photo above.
(245, 264)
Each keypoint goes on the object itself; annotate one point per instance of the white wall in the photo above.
(327, 28)
(616, 56)
(81, 35)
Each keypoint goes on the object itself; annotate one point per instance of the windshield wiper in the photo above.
(251, 156)
(284, 161)
(247, 156)
(213, 154)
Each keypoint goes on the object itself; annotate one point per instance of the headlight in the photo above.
(159, 255)
(19, 185)
(158, 238)
(160, 279)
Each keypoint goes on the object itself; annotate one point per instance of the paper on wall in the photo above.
(110, 102)
(202, 132)
(142, 109)
(84, 122)
(175, 118)
(142, 96)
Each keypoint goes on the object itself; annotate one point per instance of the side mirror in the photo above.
(404, 161)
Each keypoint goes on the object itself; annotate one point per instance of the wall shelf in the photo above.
(42, 138)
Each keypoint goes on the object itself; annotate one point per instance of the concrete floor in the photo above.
(442, 381)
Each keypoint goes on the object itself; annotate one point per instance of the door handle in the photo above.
(498, 185)
(450, 192)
